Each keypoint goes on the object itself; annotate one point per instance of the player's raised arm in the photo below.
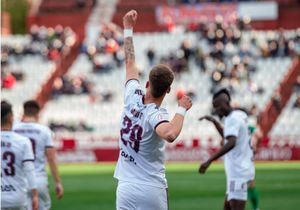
(129, 21)
(171, 130)
(217, 124)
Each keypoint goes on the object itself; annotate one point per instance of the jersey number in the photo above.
(135, 134)
(9, 157)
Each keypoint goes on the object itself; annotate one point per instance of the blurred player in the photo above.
(239, 165)
(255, 139)
(42, 144)
(17, 168)
(140, 170)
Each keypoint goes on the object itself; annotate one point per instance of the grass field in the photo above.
(91, 186)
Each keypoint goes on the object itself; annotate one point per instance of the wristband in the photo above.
(128, 32)
(181, 110)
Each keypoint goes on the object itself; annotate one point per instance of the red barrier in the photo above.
(267, 153)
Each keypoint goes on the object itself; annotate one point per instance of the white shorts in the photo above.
(131, 196)
(237, 189)
(43, 191)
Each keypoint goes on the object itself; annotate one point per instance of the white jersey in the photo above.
(238, 161)
(15, 150)
(141, 158)
(41, 138)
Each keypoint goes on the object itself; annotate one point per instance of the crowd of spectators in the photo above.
(79, 85)
(50, 43)
(107, 53)
(71, 86)
(229, 59)
(71, 127)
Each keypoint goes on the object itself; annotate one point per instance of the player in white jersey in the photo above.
(42, 144)
(17, 168)
(238, 160)
(145, 127)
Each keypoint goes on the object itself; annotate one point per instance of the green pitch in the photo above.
(91, 186)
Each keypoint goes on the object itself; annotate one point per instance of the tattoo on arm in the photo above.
(129, 50)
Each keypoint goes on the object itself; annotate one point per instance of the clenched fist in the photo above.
(129, 19)
(185, 102)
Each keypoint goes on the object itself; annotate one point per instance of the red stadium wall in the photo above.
(288, 15)
(70, 151)
(146, 10)
(288, 18)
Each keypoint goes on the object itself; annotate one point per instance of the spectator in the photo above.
(276, 99)
(151, 56)
(297, 103)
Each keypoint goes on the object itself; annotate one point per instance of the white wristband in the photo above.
(128, 32)
(180, 110)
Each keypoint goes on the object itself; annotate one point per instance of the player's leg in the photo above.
(150, 198)
(226, 204)
(237, 204)
(126, 196)
(253, 195)
(237, 193)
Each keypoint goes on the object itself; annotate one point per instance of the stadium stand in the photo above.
(103, 116)
(32, 59)
(286, 130)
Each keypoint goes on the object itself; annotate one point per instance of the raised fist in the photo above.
(185, 102)
(129, 19)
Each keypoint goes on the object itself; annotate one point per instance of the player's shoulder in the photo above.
(237, 115)
(32, 125)
(43, 128)
(16, 140)
(22, 140)
(155, 111)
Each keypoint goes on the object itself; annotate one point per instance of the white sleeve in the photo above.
(231, 127)
(28, 152)
(49, 138)
(157, 118)
(132, 87)
(28, 167)
(28, 164)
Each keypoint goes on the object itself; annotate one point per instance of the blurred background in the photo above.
(68, 55)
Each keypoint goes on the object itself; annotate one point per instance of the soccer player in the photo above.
(239, 165)
(17, 168)
(140, 170)
(253, 195)
(42, 144)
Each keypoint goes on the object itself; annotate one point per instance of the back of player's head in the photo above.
(222, 92)
(160, 78)
(31, 108)
(6, 112)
